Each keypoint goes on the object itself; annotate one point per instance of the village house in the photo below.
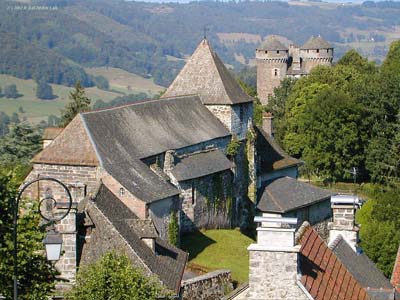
(297, 264)
(195, 153)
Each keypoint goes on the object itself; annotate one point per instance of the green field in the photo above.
(125, 82)
(219, 249)
(121, 83)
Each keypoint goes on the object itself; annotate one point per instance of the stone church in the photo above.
(275, 61)
(194, 153)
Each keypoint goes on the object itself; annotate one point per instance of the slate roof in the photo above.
(285, 194)
(124, 135)
(363, 270)
(272, 156)
(201, 164)
(205, 75)
(143, 228)
(272, 43)
(72, 147)
(51, 133)
(152, 127)
(323, 274)
(316, 43)
(167, 263)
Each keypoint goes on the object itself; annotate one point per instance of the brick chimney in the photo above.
(274, 261)
(344, 209)
(267, 124)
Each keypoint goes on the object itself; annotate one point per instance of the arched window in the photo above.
(121, 192)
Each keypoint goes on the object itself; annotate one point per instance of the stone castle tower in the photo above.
(275, 62)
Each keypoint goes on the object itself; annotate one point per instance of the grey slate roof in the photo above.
(168, 263)
(285, 194)
(272, 43)
(124, 135)
(272, 156)
(364, 270)
(206, 75)
(316, 43)
(201, 164)
(143, 228)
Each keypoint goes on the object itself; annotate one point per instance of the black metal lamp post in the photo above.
(53, 240)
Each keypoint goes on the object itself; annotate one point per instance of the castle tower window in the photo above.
(122, 192)
(276, 72)
(327, 50)
(308, 51)
(317, 50)
(266, 52)
(277, 51)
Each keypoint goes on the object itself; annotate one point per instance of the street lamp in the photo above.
(53, 240)
(53, 243)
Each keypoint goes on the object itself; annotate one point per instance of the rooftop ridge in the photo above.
(138, 103)
(332, 245)
(300, 232)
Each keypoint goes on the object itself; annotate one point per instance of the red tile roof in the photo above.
(396, 272)
(323, 274)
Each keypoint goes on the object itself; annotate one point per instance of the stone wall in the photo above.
(210, 286)
(212, 205)
(160, 212)
(319, 215)
(137, 206)
(273, 276)
(81, 181)
(223, 113)
(241, 119)
(289, 172)
(219, 143)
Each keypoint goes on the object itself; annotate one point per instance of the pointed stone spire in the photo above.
(205, 75)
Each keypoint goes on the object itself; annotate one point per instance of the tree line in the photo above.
(343, 117)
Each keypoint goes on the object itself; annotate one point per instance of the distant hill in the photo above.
(55, 40)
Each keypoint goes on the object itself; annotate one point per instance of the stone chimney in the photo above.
(274, 261)
(344, 209)
(169, 161)
(267, 125)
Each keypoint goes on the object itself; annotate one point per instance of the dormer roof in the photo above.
(272, 43)
(316, 43)
(206, 75)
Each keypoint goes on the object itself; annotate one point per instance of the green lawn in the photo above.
(219, 249)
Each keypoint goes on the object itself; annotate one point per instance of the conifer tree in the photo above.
(79, 103)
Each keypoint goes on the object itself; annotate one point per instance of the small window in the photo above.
(193, 193)
(266, 52)
(122, 192)
(276, 72)
(277, 51)
(327, 50)
(308, 51)
(317, 50)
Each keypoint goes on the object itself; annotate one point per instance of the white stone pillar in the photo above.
(274, 264)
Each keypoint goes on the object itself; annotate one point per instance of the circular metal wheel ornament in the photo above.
(50, 202)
